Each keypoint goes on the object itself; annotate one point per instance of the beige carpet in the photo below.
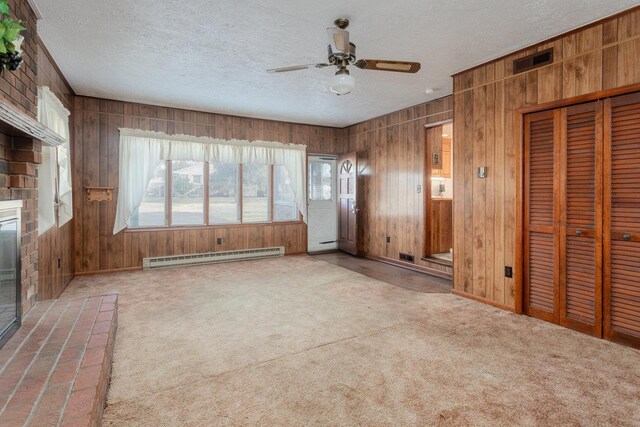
(298, 341)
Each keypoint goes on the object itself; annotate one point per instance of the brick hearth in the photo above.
(55, 370)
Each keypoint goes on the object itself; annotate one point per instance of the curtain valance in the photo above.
(141, 151)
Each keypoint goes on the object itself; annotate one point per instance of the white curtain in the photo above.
(52, 114)
(142, 151)
(47, 190)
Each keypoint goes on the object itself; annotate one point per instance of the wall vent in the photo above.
(407, 257)
(533, 61)
(211, 258)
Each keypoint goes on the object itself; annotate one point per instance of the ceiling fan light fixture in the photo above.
(342, 83)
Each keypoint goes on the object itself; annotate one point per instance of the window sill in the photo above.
(206, 227)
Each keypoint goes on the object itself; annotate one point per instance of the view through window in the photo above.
(320, 181)
(216, 193)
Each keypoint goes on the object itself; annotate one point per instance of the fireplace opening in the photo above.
(10, 290)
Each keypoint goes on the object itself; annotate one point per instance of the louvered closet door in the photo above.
(540, 274)
(580, 217)
(622, 219)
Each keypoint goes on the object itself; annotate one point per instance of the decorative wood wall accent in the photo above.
(391, 164)
(99, 194)
(487, 129)
(96, 165)
(55, 247)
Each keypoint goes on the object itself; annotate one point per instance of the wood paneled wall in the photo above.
(487, 129)
(96, 165)
(56, 262)
(391, 163)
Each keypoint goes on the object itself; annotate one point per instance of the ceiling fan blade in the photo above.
(382, 65)
(338, 40)
(296, 68)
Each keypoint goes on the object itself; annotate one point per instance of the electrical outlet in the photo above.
(508, 272)
(59, 263)
(388, 239)
(419, 189)
(219, 241)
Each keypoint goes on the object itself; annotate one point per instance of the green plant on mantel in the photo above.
(11, 43)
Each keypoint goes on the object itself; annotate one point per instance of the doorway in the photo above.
(439, 193)
(323, 204)
(347, 203)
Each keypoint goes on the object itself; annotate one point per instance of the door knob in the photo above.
(354, 210)
(578, 232)
(627, 237)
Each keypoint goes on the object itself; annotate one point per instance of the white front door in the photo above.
(323, 205)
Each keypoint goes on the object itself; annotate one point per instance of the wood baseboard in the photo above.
(483, 300)
(408, 266)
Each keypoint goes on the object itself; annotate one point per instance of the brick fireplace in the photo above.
(20, 153)
(19, 158)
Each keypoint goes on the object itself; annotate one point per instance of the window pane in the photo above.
(284, 202)
(224, 203)
(255, 193)
(187, 201)
(151, 212)
(320, 181)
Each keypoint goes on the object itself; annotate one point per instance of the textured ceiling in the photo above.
(211, 55)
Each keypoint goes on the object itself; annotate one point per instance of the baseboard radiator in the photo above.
(211, 258)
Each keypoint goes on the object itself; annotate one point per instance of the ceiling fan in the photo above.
(342, 53)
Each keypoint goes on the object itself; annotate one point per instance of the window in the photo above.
(224, 193)
(255, 193)
(151, 212)
(55, 183)
(187, 193)
(284, 201)
(320, 181)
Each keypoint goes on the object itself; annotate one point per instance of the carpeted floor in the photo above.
(298, 341)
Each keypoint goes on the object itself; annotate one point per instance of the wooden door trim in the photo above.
(559, 213)
(427, 191)
(599, 220)
(427, 249)
(575, 100)
(522, 288)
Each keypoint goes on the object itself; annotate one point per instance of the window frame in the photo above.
(206, 201)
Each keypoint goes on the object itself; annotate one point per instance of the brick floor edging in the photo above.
(89, 394)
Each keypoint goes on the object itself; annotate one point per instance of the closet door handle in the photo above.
(627, 237)
(578, 232)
